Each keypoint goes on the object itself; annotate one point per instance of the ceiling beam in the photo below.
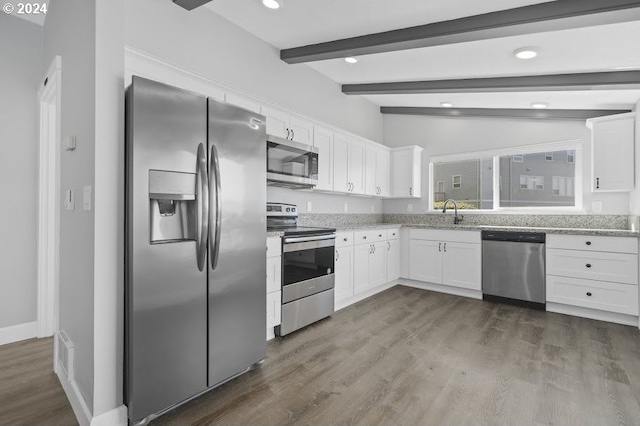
(614, 80)
(547, 114)
(190, 4)
(552, 16)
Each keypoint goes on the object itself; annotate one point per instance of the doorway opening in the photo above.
(49, 199)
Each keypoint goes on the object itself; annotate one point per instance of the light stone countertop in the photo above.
(271, 234)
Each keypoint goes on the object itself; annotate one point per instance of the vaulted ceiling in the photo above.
(570, 36)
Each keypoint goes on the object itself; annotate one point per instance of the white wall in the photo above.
(445, 135)
(324, 203)
(20, 73)
(69, 31)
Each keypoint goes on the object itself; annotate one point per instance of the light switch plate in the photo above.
(409, 207)
(346, 207)
(69, 199)
(309, 207)
(86, 198)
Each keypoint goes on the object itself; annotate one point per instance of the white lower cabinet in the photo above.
(452, 258)
(593, 272)
(393, 260)
(274, 282)
(369, 266)
(343, 273)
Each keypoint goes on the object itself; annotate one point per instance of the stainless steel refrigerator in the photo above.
(195, 299)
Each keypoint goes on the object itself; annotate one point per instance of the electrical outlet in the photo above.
(373, 208)
(409, 207)
(346, 207)
(596, 206)
(309, 208)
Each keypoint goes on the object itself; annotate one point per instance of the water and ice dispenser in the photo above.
(172, 206)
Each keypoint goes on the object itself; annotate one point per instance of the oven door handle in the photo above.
(305, 239)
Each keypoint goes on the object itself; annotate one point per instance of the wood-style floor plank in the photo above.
(30, 393)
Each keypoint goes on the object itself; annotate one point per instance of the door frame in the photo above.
(49, 96)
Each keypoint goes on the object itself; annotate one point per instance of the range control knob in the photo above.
(293, 209)
(288, 209)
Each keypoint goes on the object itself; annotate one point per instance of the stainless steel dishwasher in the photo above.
(513, 267)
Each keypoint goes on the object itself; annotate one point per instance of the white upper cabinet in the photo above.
(348, 164)
(323, 140)
(612, 152)
(406, 172)
(377, 164)
(288, 126)
(242, 102)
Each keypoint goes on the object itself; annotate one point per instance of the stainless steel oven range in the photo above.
(307, 269)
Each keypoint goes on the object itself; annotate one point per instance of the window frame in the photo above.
(575, 145)
(453, 182)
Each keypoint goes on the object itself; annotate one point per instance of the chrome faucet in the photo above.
(456, 219)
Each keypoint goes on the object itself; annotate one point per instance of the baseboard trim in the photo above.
(16, 333)
(361, 296)
(457, 291)
(592, 314)
(78, 404)
(115, 417)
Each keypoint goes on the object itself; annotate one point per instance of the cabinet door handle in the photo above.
(388, 246)
(344, 239)
(364, 237)
(588, 243)
(445, 247)
(337, 255)
(589, 293)
(439, 246)
(410, 191)
(372, 249)
(597, 183)
(287, 133)
(293, 134)
(588, 265)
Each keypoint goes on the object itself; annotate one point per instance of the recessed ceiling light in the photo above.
(272, 4)
(351, 60)
(526, 52)
(446, 104)
(539, 105)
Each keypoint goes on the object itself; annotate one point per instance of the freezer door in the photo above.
(237, 240)
(166, 303)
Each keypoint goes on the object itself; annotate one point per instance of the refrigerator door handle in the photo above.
(214, 199)
(202, 196)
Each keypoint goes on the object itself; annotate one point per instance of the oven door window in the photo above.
(307, 264)
(286, 160)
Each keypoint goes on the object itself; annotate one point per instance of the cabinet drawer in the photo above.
(273, 309)
(593, 243)
(369, 236)
(393, 234)
(445, 235)
(344, 239)
(274, 246)
(611, 297)
(614, 267)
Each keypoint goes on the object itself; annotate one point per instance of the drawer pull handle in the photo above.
(588, 243)
(344, 239)
(379, 235)
(589, 293)
(588, 265)
(364, 238)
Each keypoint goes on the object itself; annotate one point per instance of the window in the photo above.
(456, 181)
(477, 192)
(537, 177)
(562, 186)
(531, 182)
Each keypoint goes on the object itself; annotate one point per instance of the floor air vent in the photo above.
(65, 354)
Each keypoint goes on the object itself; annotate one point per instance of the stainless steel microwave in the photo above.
(291, 164)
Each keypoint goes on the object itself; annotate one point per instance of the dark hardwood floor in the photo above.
(30, 393)
(403, 357)
(414, 357)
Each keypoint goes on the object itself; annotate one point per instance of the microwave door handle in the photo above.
(214, 199)
(202, 200)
